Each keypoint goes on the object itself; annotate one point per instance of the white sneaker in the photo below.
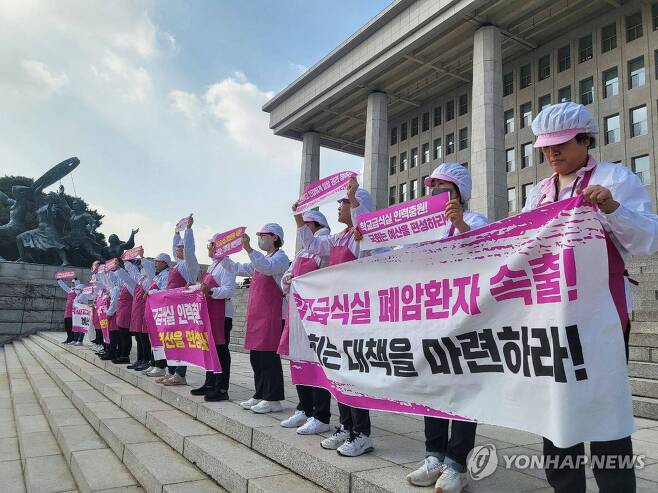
(156, 372)
(249, 404)
(264, 407)
(313, 426)
(149, 369)
(175, 379)
(428, 472)
(335, 440)
(356, 445)
(164, 379)
(294, 421)
(450, 481)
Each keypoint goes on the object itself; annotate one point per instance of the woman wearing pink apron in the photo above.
(141, 280)
(447, 443)
(314, 409)
(124, 312)
(162, 264)
(565, 133)
(353, 437)
(218, 284)
(113, 349)
(68, 308)
(265, 313)
(184, 273)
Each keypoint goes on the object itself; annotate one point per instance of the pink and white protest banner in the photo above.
(111, 265)
(518, 324)
(133, 253)
(102, 304)
(411, 222)
(65, 275)
(81, 317)
(224, 244)
(323, 191)
(179, 320)
(182, 224)
(88, 289)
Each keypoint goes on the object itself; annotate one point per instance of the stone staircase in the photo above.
(643, 354)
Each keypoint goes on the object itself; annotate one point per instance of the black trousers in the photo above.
(268, 375)
(99, 337)
(125, 342)
(455, 444)
(115, 342)
(79, 336)
(140, 345)
(572, 480)
(223, 379)
(146, 345)
(68, 326)
(315, 402)
(354, 420)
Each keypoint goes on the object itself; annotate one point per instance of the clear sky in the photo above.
(161, 101)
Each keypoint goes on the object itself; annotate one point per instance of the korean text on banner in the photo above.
(324, 191)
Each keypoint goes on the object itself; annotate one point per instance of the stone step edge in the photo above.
(106, 463)
(10, 354)
(177, 442)
(229, 426)
(131, 460)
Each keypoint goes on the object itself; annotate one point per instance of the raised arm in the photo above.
(318, 245)
(275, 265)
(64, 286)
(127, 279)
(238, 269)
(190, 259)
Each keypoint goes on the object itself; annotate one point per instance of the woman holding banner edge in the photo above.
(265, 315)
(445, 464)
(564, 133)
(352, 439)
(314, 409)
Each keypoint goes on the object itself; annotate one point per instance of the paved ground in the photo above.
(399, 439)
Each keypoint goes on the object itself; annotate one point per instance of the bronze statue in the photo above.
(116, 247)
(82, 233)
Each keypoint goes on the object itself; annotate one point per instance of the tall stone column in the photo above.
(375, 168)
(487, 163)
(310, 170)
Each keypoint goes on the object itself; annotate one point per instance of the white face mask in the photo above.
(265, 243)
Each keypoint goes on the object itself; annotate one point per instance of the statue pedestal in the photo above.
(30, 299)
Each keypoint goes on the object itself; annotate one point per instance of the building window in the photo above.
(463, 138)
(509, 121)
(438, 152)
(414, 127)
(403, 193)
(403, 131)
(403, 161)
(510, 159)
(544, 67)
(394, 136)
(641, 169)
(608, 37)
(425, 153)
(654, 15)
(437, 115)
(585, 51)
(414, 158)
(525, 111)
(450, 143)
(564, 58)
(463, 104)
(610, 83)
(508, 84)
(543, 102)
(633, 26)
(611, 128)
(639, 121)
(525, 76)
(564, 94)
(541, 156)
(424, 190)
(391, 195)
(587, 91)
(413, 189)
(393, 164)
(511, 200)
(636, 73)
(450, 110)
(425, 122)
(525, 191)
(526, 155)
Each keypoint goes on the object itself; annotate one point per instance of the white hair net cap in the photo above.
(364, 198)
(163, 257)
(316, 216)
(559, 123)
(273, 228)
(454, 173)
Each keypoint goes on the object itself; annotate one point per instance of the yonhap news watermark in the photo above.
(485, 459)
